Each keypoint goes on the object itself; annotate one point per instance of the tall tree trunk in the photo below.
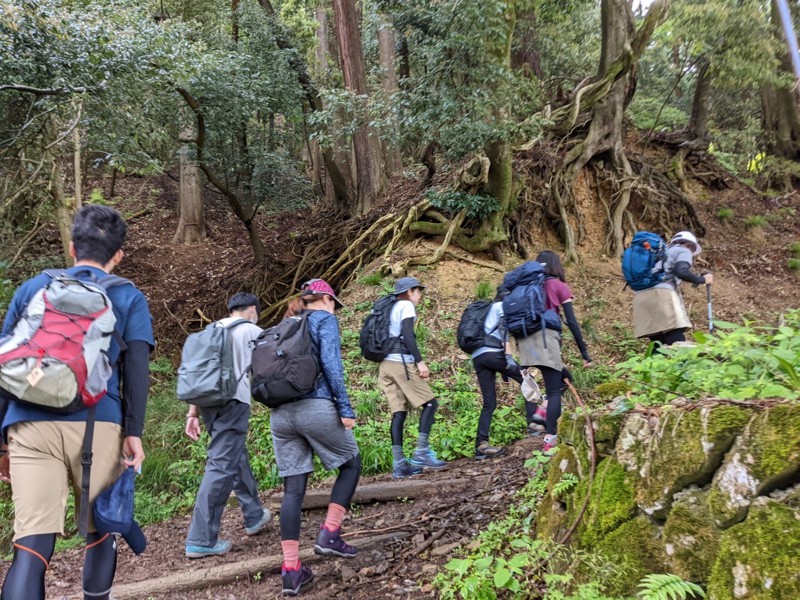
(366, 147)
(386, 53)
(192, 219)
(780, 106)
(76, 137)
(701, 103)
(63, 208)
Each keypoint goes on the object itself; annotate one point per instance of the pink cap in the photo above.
(320, 286)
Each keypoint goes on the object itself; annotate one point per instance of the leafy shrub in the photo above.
(794, 249)
(738, 362)
(371, 279)
(645, 110)
(793, 264)
(453, 202)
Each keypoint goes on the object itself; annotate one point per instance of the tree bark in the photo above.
(76, 136)
(63, 209)
(191, 220)
(366, 147)
(701, 103)
(780, 105)
(386, 53)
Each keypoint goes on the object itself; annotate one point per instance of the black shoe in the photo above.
(294, 579)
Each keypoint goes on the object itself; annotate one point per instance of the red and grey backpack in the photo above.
(56, 358)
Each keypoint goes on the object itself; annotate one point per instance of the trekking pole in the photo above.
(710, 311)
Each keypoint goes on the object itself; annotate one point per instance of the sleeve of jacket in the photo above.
(575, 329)
(410, 339)
(330, 353)
(683, 271)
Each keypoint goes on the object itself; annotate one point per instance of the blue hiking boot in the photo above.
(405, 469)
(330, 543)
(427, 460)
(294, 579)
(218, 549)
(266, 517)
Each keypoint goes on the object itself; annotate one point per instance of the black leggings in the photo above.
(425, 421)
(552, 385)
(669, 337)
(487, 365)
(25, 577)
(295, 490)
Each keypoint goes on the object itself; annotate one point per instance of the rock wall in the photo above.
(708, 491)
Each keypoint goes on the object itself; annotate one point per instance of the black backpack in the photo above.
(470, 334)
(374, 339)
(285, 366)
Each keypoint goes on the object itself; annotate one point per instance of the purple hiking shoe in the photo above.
(330, 543)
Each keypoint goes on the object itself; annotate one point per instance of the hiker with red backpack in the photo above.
(226, 415)
(659, 312)
(541, 284)
(320, 422)
(482, 333)
(70, 418)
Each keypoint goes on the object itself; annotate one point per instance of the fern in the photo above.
(567, 482)
(658, 586)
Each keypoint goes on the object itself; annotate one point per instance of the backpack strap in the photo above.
(86, 471)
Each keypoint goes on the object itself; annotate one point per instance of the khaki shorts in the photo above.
(46, 459)
(403, 391)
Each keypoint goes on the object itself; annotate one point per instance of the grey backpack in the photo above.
(206, 376)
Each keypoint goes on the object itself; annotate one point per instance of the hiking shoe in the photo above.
(550, 443)
(405, 469)
(266, 517)
(221, 547)
(330, 543)
(294, 579)
(484, 451)
(534, 429)
(427, 460)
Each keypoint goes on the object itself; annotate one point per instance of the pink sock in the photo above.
(336, 513)
(291, 553)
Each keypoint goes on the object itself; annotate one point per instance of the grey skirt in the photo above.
(532, 351)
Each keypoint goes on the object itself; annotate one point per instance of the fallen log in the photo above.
(385, 491)
(226, 573)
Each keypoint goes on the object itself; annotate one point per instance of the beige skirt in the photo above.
(658, 310)
(532, 351)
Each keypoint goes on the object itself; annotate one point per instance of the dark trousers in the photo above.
(227, 469)
(487, 365)
(668, 338)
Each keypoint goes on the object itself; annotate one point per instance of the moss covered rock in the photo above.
(611, 502)
(691, 539)
(676, 449)
(636, 550)
(551, 518)
(765, 456)
(759, 559)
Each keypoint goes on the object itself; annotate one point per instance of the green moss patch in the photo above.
(635, 549)
(759, 559)
(611, 502)
(691, 540)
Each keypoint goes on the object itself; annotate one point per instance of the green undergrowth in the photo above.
(738, 362)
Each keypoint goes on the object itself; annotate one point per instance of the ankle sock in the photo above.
(422, 444)
(398, 455)
(335, 516)
(291, 553)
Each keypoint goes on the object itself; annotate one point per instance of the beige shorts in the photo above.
(401, 391)
(46, 459)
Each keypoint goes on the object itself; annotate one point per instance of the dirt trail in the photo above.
(431, 528)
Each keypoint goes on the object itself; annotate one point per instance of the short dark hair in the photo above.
(241, 300)
(552, 264)
(97, 233)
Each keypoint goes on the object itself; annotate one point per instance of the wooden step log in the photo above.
(208, 577)
(385, 491)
